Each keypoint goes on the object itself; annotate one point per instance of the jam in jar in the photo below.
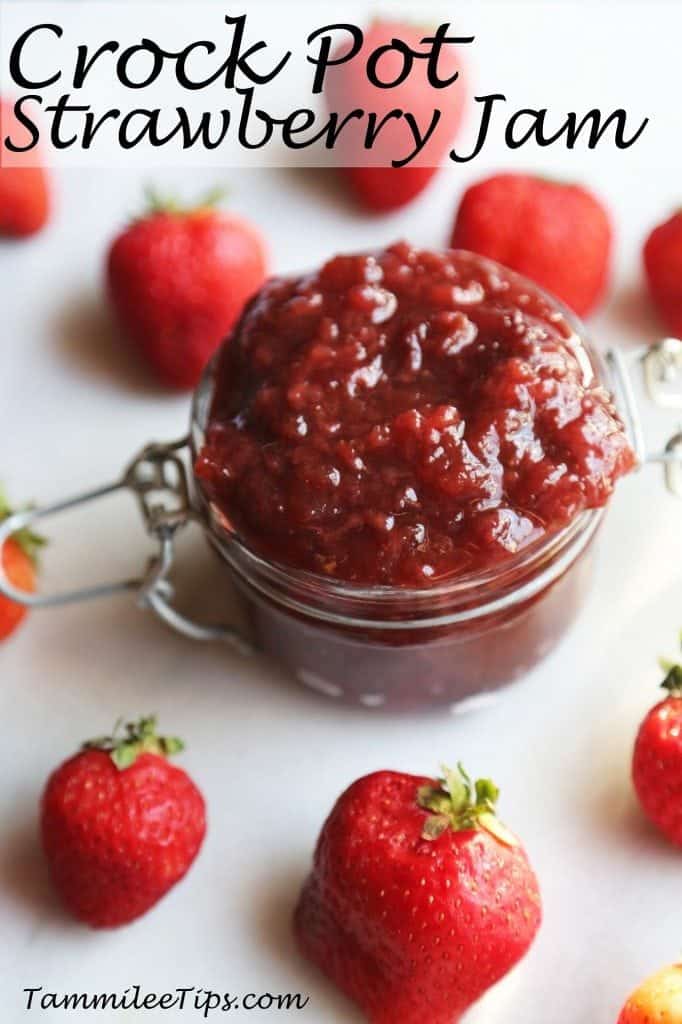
(404, 457)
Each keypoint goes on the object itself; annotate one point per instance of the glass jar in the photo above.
(382, 646)
(375, 646)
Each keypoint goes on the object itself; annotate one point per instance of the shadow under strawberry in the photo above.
(88, 337)
(24, 878)
(270, 917)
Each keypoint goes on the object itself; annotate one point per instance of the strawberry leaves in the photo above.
(126, 743)
(29, 542)
(460, 804)
(673, 681)
(673, 676)
(158, 203)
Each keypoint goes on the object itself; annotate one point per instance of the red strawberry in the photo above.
(663, 266)
(657, 1001)
(24, 190)
(382, 187)
(120, 825)
(556, 234)
(657, 760)
(418, 900)
(178, 279)
(19, 560)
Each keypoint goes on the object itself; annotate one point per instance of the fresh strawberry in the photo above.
(178, 279)
(663, 267)
(24, 189)
(382, 187)
(657, 1001)
(419, 899)
(657, 760)
(558, 235)
(120, 825)
(19, 561)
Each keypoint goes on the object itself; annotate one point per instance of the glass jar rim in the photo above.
(308, 593)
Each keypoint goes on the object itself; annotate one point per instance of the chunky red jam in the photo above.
(406, 416)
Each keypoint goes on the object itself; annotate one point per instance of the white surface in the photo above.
(270, 756)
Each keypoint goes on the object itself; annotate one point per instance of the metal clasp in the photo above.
(661, 366)
(158, 478)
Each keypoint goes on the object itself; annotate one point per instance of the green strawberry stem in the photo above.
(673, 676)
(137, 738)
(29, 542)
(461, 805)
(158, 203)
(673, 681)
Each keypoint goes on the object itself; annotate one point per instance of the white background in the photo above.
(270, 757)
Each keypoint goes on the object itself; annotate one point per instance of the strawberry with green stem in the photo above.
(419, 899)
(120, 824)
(20, 563)
(178, 278)
(657, 758)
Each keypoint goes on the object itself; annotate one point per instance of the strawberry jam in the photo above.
(404, 418)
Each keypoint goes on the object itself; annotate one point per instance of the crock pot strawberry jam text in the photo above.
(404, 417)
(243, 65)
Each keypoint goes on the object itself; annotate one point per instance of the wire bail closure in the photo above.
(158, 479)
(661, 366)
